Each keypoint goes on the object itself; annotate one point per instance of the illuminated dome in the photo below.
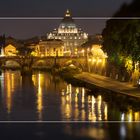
(67, 21)
(69, 33)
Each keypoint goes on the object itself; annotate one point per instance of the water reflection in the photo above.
(47, 97)
(9, 84)
(38, 82)
(130, 116)
(77, 105)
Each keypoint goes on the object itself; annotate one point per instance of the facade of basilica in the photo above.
(72, 36)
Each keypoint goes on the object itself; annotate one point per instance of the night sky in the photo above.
(53, 8)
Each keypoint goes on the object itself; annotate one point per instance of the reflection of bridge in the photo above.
(44, 61)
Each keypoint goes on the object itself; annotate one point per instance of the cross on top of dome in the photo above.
(67, 13)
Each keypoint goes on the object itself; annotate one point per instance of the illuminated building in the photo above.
(96, 57)
(70, 34)
(10, 50)
(51, 47)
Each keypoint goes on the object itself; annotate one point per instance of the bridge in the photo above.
(30, 61)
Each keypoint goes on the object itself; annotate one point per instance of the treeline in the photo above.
(122, 43)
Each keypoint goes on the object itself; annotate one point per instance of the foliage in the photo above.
(129, 64)
(25, 51)
(122, 38)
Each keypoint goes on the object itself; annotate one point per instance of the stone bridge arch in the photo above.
(43, 62)
(73, 62)
(46, 61)
(10, 63)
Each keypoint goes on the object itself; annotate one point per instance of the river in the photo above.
(47, 98)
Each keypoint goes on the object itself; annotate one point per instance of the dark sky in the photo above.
(53, 8)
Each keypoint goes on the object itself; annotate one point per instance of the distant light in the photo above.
(89, 60)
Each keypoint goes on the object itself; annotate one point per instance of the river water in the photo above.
(46, 97)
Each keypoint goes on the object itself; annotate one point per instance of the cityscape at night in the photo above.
(70, 69)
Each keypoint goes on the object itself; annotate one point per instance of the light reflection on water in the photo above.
(46, 97)
(77, 105)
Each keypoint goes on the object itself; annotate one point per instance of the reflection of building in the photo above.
(10, 50)
(76, 105)
(68, 32)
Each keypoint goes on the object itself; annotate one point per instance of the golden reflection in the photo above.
(12, 79)
(83, 115)
(83, 101)
(130, 116)
(38, 81)
(83, 97)
(77, 90)
(77, 105)
(69, 90)
(137, 116)
(66, 103)
(68, 98)
(9, 85)
(99, 98)
(76, 98)
(89, 99)
(68, 111)
(91, 108)
(76, 110)
(39, 96)
(62, 92)
(106, 112)
(76, 113)
(9, 91)
(34, 79)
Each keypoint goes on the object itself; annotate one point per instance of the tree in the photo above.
(25, 51)
(121, 38)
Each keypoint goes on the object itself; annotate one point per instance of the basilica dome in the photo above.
(67, 21)
(69, 33)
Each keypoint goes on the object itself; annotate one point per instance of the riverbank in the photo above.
(108, 84)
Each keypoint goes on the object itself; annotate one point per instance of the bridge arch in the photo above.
(73, 63)
(11, 63)
(43, 62)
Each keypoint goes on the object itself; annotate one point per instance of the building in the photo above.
(50, 47)
(70, 34)
(54, 47)
(10, 50)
